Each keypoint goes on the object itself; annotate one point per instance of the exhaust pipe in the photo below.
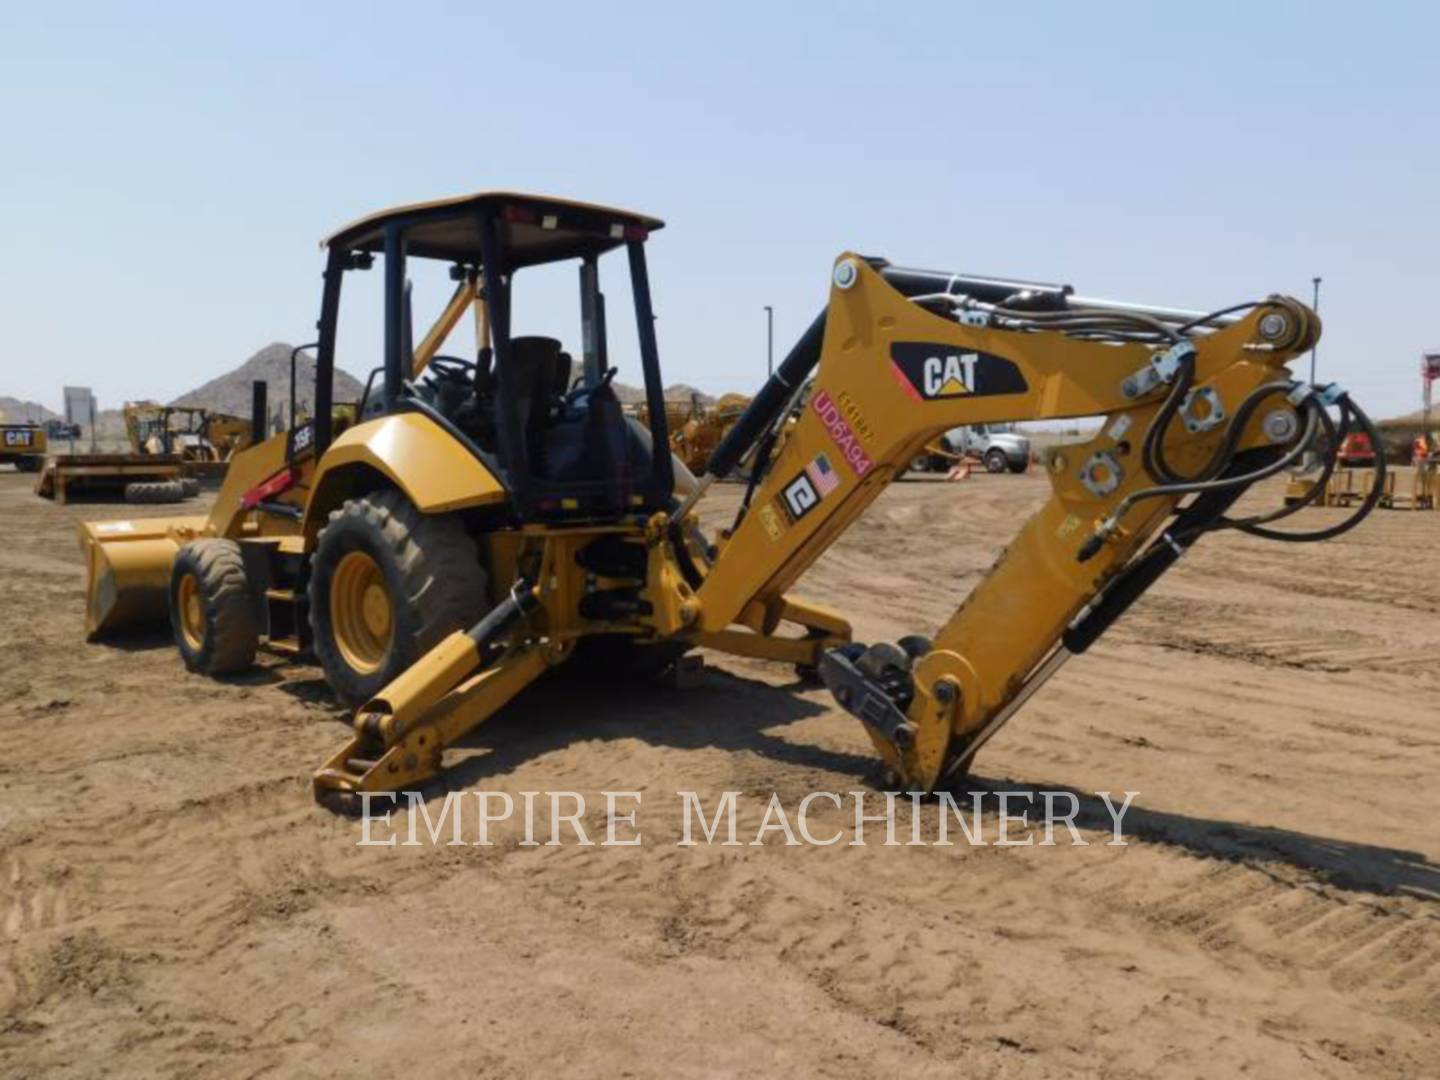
(259, 413)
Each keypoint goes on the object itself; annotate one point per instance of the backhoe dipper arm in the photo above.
(894, 371)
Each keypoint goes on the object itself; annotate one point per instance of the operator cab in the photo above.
(548, 425)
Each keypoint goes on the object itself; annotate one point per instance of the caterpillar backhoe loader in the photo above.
(489, 516)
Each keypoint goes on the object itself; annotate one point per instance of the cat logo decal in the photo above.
(931, 372)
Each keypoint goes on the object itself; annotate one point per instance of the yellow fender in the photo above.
(414, 453)
(128, 562)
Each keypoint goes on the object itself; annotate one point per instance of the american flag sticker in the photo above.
(822, 474)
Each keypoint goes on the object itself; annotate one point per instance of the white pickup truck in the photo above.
(998, 446)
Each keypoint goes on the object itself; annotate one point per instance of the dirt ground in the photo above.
(175, 904)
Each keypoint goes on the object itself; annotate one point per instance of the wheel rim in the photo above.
(192, 612)
(360, 612)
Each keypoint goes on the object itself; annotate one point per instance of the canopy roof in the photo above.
(532, 228)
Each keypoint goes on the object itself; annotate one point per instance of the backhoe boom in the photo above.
(893, 372)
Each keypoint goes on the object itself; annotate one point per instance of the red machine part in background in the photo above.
(1423, 450)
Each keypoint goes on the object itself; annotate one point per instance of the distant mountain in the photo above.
(628, 395)
(684, 392)
(635, 395)
(15, 411)
(231, 393)
(1412, 418)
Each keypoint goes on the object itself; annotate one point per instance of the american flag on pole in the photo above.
(822, 475)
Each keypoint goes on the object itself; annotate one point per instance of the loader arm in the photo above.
(892, 374)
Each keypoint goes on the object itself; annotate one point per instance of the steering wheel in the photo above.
(452, 369)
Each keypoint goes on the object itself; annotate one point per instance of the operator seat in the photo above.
(536, 363)
(578, 438)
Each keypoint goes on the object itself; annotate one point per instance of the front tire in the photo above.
(387, 584)
(211, 611)
(995, 461)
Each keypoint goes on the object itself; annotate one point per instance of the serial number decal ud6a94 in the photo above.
(840, 432)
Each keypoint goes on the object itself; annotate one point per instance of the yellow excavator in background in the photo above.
(489, 517)
(226, 434)
(22, 445)
(696, 428)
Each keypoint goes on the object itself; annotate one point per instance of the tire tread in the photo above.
(231, 633)
(443, 585)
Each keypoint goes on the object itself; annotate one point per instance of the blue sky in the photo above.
(168, 170)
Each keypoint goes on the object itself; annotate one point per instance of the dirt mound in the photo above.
(635, 395)
(15, 411)
(231, 393)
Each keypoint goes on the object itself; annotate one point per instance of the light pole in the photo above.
(769, 340)
(1315, 307)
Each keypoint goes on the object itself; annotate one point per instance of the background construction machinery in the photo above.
(697, 426)
(1411, 443)
(173, 450)
(22, 445)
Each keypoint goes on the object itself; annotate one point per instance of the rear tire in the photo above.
(29, 463)
(995, 461)
(212, 612)
(387, 584)
(189, 487)
(160, 491)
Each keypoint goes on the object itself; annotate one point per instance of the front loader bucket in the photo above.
(128, 567)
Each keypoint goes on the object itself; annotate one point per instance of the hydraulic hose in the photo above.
(1333, 437)
(771, 401)
(760, 463)
(1349, 410)
(1231, 310)
(1152, 451)
(1191, 487)
(1079, 318)
(1225, 458)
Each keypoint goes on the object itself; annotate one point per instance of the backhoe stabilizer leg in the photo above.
(418, 688)
(416, 754)
(401, 734)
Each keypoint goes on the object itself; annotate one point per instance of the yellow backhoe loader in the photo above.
(489, 516)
